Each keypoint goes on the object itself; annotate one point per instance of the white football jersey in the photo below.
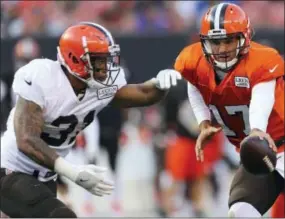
(44, 82)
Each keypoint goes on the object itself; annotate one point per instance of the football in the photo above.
(257, 157)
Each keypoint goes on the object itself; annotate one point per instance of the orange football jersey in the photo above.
(229, 100)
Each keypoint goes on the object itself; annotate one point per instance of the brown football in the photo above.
(257, 157)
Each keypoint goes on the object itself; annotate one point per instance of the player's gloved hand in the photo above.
(167, 78)
(90, 177)
(205, 134)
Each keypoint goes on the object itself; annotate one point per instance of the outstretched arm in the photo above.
(28, 123)
(147, 93)
(137, 95)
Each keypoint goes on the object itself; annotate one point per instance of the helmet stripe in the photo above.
(103, 29)
(222, 15)
(217, 16)
(212, 17)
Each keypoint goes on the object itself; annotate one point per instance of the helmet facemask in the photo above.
(212, 40)
(102, 68)
(96, 63)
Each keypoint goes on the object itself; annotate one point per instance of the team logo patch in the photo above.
(107, 92)
(241, 82)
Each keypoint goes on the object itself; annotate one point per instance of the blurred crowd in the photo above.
(50, 18)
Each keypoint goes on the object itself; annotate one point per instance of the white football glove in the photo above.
(167, 78)
(90, 177)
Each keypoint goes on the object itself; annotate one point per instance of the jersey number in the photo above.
(68, 125)
(234, 111)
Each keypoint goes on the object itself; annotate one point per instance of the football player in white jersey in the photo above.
(55, 101)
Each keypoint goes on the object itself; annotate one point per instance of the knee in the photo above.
(62, 212)
(243, 209)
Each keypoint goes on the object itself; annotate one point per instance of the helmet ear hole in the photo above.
(74, 60)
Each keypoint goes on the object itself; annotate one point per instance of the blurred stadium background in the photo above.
(145, 149)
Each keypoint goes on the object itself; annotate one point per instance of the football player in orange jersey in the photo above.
(242, 83)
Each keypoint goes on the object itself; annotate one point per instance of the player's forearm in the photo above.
(138, 95)
(152, 93)
(36, 149)
(28, 123)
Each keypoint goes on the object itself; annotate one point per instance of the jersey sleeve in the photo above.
(271, 69)
(199, 107)
(184, 65)
(261, 93)
(26, 84)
